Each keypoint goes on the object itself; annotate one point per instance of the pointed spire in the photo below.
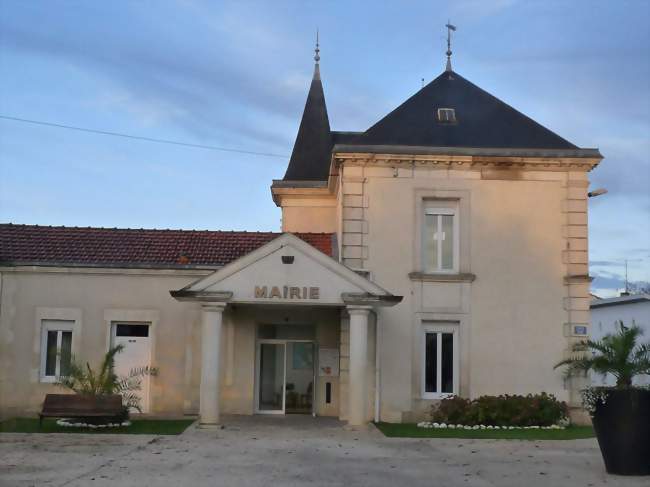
(449, 29)
(310, 158)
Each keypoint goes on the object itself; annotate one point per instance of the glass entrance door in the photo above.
(300, 377)
(271, 377)
(285, 376)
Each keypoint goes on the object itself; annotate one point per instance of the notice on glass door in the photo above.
(328, 362)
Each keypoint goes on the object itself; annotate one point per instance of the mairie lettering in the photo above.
(287, 292)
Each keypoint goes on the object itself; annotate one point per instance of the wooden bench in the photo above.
(81, 406)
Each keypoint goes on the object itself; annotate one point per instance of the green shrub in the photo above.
(454, 410)
(506, 410)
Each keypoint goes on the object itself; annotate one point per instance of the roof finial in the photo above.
(317, 58)
(317, 50)
(449, 29)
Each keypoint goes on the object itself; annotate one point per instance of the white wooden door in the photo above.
(137, 353)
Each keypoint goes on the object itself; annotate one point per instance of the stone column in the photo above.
(358, 383)
(211, 319)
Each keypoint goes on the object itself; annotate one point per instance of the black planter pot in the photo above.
(622, 426)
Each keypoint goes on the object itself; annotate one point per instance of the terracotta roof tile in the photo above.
(35, 244)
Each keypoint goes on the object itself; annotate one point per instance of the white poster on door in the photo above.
(328, 362)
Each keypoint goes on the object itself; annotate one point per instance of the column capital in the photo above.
(216, 307)
(359, 310)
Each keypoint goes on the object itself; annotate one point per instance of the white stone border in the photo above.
(429, 425)
(66, 423)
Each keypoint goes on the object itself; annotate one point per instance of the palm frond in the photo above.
(131, 400)
(617, 353)
(143, 371)
(83, 379)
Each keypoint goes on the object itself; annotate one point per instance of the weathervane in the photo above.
(449, 29)
(317, 50)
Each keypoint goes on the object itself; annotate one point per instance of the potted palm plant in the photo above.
(83, 379)
(620, 414)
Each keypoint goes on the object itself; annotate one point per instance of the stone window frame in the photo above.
(438, 208)
(72, 316)
(439, 327)
(58, 326)
(431, 198)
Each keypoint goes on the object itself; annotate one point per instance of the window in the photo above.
(440, 244)
(446, 115)
(128, 330)
(56, 349)
(439, 361)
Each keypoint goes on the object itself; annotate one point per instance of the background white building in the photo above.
(605, 314)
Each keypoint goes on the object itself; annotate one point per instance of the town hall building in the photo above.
(440, 252)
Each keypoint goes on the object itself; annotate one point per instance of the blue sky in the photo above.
(236, 74)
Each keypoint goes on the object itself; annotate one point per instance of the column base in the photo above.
(210, 426)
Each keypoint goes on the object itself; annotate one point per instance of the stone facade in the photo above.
(523, 280)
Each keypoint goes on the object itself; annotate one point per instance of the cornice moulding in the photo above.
(538, 159)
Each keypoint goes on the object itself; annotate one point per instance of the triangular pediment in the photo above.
(286, 270)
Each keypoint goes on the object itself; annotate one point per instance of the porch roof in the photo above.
(287, 271)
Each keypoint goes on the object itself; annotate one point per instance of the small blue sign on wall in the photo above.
(580, 330)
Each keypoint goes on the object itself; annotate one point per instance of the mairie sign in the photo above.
(286, 292)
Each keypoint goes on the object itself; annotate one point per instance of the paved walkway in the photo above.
(296, 451)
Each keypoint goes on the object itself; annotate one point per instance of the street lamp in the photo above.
(596, 192)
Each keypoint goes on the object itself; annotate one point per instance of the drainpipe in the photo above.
(377, 376)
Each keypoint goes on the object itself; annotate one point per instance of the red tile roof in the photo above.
(123, 247)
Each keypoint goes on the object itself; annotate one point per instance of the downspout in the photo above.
(377, 375)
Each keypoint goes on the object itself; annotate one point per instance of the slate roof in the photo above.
(122, 247)
(344, 137)
(483, 122)
(310, 159)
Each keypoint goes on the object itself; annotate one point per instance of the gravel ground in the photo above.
(296, 451)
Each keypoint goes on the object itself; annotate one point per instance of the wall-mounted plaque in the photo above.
(328, 362)
(580, 330)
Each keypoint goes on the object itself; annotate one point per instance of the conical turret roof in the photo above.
(310, 159)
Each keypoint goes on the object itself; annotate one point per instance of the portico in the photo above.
(283, 282)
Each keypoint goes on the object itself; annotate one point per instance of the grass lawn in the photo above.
(410, 430)
(138, 427)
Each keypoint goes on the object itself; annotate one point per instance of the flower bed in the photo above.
(505, 411)
(429, 424)
(69, 424)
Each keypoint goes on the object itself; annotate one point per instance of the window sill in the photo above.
(440, 277)
(437, 396)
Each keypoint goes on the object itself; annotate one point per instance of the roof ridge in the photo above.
(162, 230)
(186, 230)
